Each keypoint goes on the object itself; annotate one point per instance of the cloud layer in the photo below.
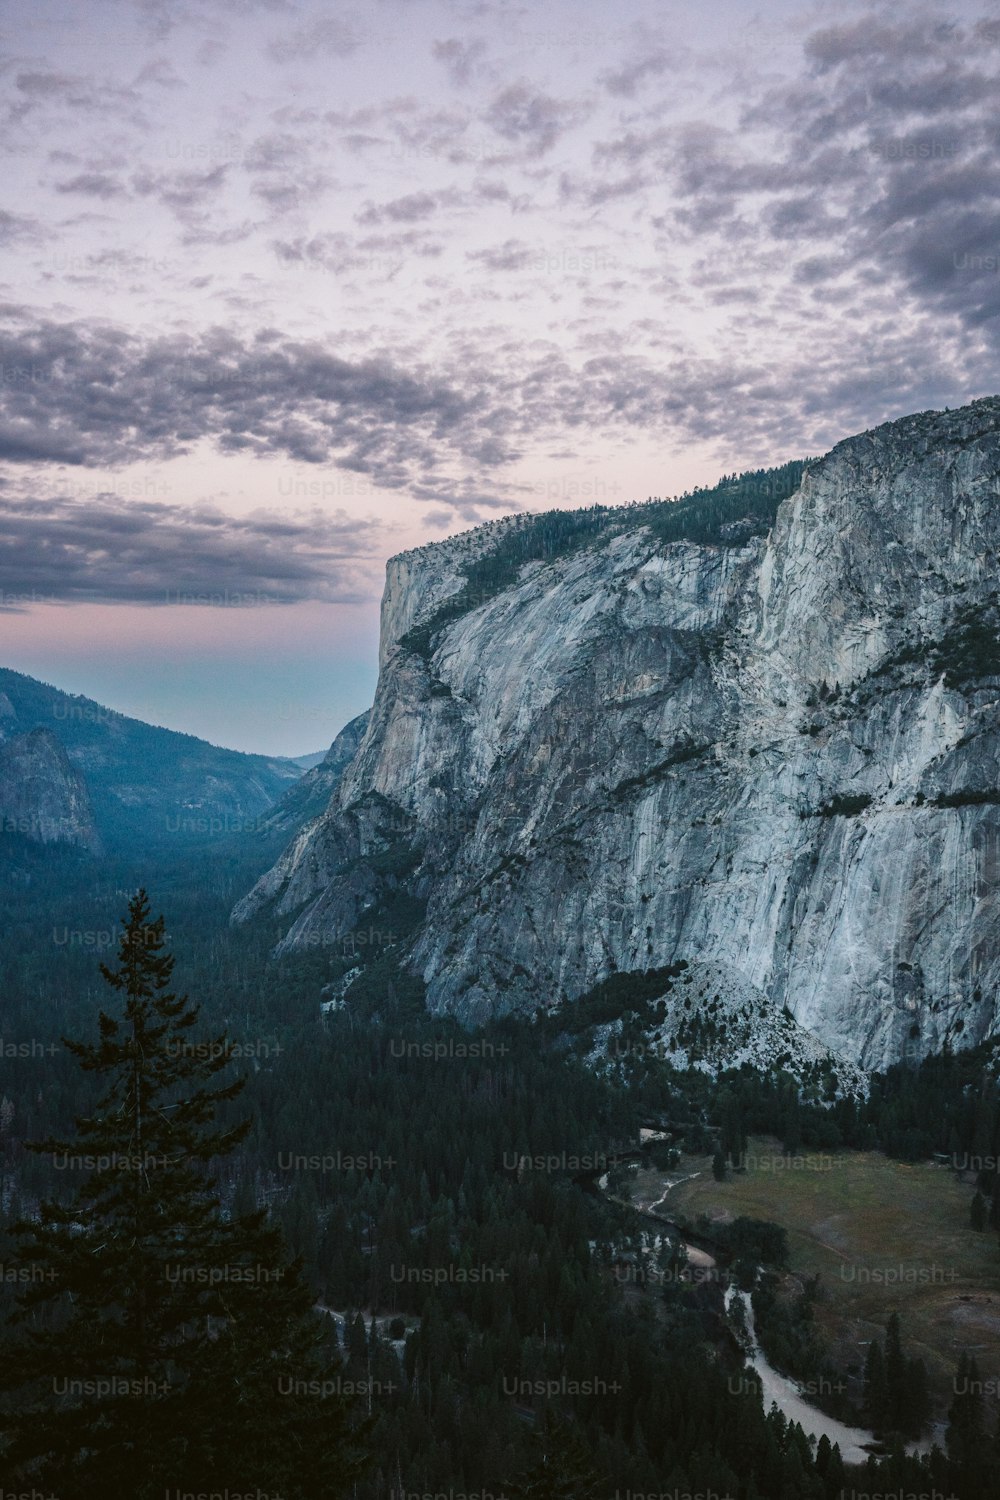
(131, 550)
(459, 250)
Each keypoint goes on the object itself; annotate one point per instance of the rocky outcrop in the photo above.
(310, 796)
(779, 754)
(42, 797)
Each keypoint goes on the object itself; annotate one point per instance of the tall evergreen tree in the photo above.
(919, 1406)
(897, 1393)
(835, 1474)
(560, 1466)
(994, 1214)
(875, 1388)
(159, 1343)
(966, 1431)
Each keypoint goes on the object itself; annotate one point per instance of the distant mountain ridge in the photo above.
(307, 762)
(140, 781)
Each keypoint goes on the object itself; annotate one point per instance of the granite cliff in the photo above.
(43, 797)
(310, 796)
(758, 729)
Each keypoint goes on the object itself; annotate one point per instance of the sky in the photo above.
(286, 288)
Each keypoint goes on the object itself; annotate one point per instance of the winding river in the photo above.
(856, 1443)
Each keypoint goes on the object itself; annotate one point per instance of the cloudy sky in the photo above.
(288, 286)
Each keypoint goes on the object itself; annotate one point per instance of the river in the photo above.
(856, 1443)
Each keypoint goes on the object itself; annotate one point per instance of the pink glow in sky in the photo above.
(289, 287)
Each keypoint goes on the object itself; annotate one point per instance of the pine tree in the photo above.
(919, 1404)
(835, 1474)
(876, 1391)
(966, 1431)
(994, 1215)
(897, 1394)
(560, 1468)
(160, 1344)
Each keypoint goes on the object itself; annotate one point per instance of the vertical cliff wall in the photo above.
(775, 752)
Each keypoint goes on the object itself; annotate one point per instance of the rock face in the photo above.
(779, 754)
(310, 796)
(42, 796)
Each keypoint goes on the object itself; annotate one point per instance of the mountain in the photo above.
(758, 728)
(42, 796)
(307, 762)
(143, 782)
(310, 796)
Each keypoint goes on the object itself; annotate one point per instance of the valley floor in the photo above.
(883, 1236)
